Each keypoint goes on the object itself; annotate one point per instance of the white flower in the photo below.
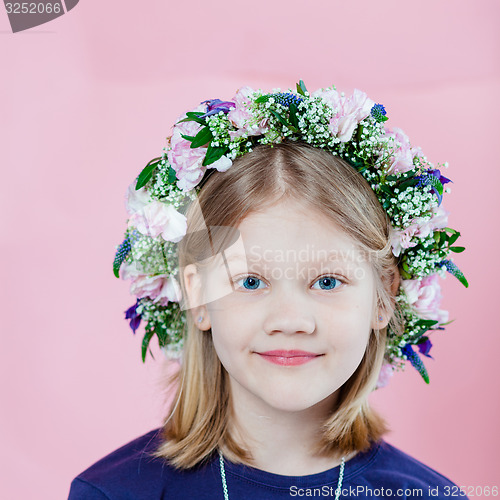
(222, 164)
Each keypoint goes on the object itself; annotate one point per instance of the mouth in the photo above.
(288, 358)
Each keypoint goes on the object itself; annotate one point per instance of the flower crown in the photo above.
(214, 134)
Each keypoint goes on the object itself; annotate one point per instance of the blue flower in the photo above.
(415, 361)
(379, 113)
(216, 105)
(432, 177)
(131, 314)
(287, 98)
(452, 268)
(121, 254)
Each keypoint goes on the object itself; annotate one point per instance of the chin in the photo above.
(293, 402)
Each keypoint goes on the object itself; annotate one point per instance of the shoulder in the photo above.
(389, 467)
(126, 469)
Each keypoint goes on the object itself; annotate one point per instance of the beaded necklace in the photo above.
(224, 483)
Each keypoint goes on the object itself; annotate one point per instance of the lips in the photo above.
(288, 358)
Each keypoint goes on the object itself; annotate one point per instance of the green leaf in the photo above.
(262, 99)
(146, 173)
(359, 165)
(422, 339)
(410, 182)
(442, 238)
(162, 335)
(280, 118)
(404, 274)
(457, 249)
(172, 176)
(436, 183)
(194, 116)
(189, 138)
(293, 115)
(453, 238)
(301, 88)
(213, 154)
(359, 132)
(426, 322)
(145, 343)
(386, 189)
(448, 322)
(404, 177)
(202, 137)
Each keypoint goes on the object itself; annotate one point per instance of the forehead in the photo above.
(290, 224)
(291, 232)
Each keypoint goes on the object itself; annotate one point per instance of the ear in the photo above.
(196, 306)
(383, 316)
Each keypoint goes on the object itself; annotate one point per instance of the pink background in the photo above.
(87, 101)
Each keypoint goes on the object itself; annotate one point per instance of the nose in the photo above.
(289, 313)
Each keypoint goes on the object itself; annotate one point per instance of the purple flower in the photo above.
(427, 178)
(216, 105)
(425, 348)
(131, 314)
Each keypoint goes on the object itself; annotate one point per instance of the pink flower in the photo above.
(402, 151)
(424, 296)
(241, 116)
(186, 161)
(170, 291)
(402, 239)
(159, 218)
(347, 111)
(439, 220)
(159, 288)
(136, 200)
(420, 228)
(385, 374)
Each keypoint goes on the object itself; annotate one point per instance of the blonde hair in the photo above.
(199, 422)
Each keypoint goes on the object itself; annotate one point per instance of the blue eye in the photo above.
(328, 283)
(251, 281)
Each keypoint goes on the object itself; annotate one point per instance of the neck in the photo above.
(282, 442)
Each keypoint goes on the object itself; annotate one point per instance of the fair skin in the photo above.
(290, 310)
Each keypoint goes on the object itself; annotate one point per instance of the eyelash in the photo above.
(337, 280)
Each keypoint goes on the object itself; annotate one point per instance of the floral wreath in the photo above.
(214, 134)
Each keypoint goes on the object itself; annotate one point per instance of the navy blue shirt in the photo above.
(131, 473)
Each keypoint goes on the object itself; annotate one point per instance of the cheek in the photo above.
(227, 335)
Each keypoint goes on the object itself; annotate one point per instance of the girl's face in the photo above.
(291, 309)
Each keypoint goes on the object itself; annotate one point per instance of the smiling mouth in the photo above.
(288, 358)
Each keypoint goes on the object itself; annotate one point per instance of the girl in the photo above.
(289, 246)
